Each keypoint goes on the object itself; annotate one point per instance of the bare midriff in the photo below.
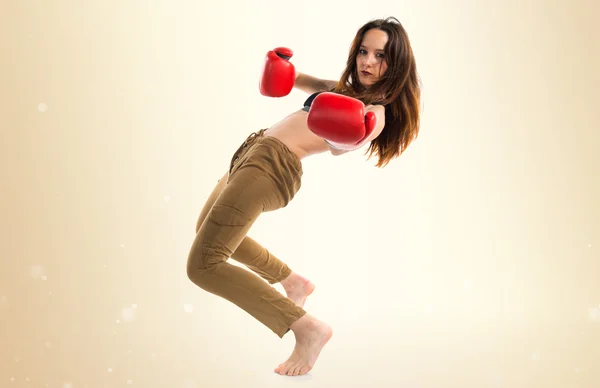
(294, 133)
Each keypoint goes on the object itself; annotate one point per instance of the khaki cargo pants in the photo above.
(264, 175)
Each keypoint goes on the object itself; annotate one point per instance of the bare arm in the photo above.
(309, 84)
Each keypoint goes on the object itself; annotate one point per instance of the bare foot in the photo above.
(311, 336)
(297, 288)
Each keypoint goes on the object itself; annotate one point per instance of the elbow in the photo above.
(328, 86)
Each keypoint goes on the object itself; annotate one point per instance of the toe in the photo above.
(292, 371)
(283, 370)
(304, 370)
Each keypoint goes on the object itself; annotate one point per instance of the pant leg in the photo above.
(243, 199)
(217, 190)
(249, 252)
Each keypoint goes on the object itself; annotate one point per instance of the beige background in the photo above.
(471, 262)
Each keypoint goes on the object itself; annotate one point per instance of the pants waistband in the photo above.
(260, 137)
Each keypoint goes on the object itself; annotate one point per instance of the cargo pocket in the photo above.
(226, 227)
(227, 215)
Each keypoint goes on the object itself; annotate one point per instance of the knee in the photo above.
(199, 262)
(196, 273)
(192, 269)
(195, 263)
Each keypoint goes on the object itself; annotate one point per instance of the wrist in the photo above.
(332, 146)
(296, 76)
(343, 147)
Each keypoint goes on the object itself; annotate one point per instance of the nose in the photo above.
(369, 60)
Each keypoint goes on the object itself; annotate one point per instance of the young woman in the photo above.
(376, 101)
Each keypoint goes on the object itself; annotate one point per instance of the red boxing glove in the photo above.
(340, 120)
(278, 74)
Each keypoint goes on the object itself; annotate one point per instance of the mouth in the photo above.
(365, 73)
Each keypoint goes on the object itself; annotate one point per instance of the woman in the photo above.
(265, 173)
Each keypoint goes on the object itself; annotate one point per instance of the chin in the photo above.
(364, 83)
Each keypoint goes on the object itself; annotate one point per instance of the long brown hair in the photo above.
(398, 90)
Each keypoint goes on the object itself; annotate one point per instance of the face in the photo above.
(370, 61)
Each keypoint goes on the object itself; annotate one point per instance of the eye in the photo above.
(362, 51)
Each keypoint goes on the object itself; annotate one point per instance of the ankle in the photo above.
(290, 281)
(301, 324)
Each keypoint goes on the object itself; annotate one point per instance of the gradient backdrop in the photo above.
(471, 262)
